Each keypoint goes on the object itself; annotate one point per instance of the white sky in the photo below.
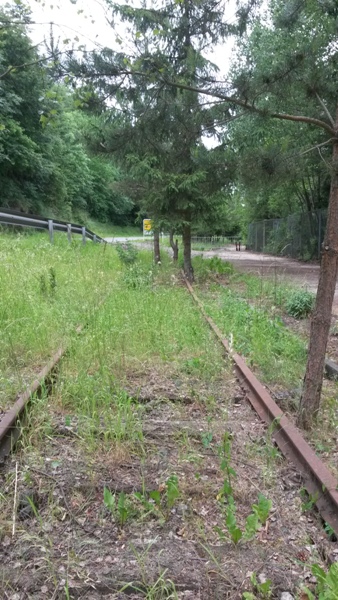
(86, 22)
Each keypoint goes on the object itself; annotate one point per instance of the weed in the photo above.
(260, 511)
(127, 253)
(262, 338)
(206, 439)
(119, 509)
(261, 590)
(309, 501)
(300, 304)
(172, 491)
(204, 266)
(136, 277)
(327, 583)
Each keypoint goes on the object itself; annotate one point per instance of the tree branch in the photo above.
(328, 114)
(254, 109)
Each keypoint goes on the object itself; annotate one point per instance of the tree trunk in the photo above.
(157, 254)
(321, 318)
(174, 245)
(188, 269)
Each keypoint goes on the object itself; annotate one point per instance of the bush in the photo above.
(204, 266)
(127, 253)
(137, 276)
(300, 304)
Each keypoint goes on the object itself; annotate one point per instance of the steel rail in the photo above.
(318, 480)
(9, 430)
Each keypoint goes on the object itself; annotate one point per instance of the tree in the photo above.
(279, 171)
(46, 166)
(182, 180)
(288, 63)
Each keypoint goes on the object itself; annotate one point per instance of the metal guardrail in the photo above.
(12, 217)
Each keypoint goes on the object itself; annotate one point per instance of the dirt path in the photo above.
(76, 546)
(284, 269)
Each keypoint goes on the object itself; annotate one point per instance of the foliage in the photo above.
(172, 490)
(261, 337)
(46, 165)
(260, 511)
(204, 266)
(159, 138)
(300, 304)
(119, 508)
(262, 591)
(327, 583)
(127, 253)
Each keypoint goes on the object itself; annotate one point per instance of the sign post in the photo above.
(147, 227)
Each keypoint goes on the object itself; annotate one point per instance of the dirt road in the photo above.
(302, 274)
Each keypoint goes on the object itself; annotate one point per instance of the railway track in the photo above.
(319, 482)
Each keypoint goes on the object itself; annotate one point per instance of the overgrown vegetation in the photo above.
(300, 304)
(141, 443)
(43, 301)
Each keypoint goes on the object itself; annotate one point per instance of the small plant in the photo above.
(261, 590)
(260, 511)
(172, 490)
(136, 277)
(119, 510)
(300, 304)
(127, 253)
(309, 500)
(206, 439)
(222, 267)
(327, 583)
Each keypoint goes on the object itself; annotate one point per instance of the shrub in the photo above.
(300, 304)
(127, 253)
(204, 266)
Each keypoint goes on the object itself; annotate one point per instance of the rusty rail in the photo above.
(318, 480)
(9, 427)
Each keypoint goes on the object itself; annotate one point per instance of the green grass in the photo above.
(141, 331)
(110, 230)
(246, 311)
(46, 292)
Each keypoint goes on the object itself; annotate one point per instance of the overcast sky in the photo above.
(85, 22)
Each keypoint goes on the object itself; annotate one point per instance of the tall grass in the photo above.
(248, 310)
(46, 292)
(144, 333)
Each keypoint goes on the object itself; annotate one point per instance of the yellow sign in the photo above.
(147, 226)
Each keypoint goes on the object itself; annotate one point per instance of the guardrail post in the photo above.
(94, 238)
(50, 229)
(83, 235)
(69, 233)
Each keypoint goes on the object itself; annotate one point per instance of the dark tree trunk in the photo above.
(174, 245)
(321, 318)
(157, 254)
(186, 236)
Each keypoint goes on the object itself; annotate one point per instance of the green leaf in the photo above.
(251, 526)
(109, 499)
(122, 509)
(262, 509)
(156, 496)
(172, 490)
(236, 535)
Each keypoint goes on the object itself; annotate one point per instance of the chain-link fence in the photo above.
(299, 235)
